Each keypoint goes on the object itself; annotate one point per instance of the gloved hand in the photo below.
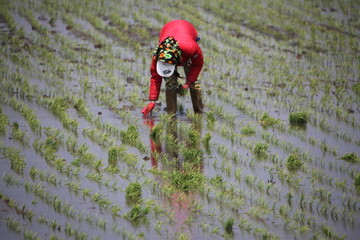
(148, 108)
(182, 89)
(186, 85)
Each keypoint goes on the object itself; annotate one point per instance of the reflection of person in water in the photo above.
(180, 200)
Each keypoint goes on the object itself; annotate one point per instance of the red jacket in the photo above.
(185, 34)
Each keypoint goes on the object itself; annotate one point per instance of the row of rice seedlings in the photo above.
(7, 17)
(75, 105)
(14, 225)
(33, 21)
(266, 120)
(77, 28)
(291, 165)
(47, 150)
(28, 114)
(58, 106)
(323, 106)
(220, 195)
(17, 161)
(271, 138)
(58, 204)
(4, 122)
(235, 203)
(43, 175)
(18, 134)
(99, 24)
(28, 214)
(131, 136)
(58, 110)
(83, 156)
(101, 138)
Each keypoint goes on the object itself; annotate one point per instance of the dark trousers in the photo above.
(171, 92)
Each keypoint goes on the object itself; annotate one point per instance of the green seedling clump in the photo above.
(356, 88)
(293, 162)
(133, 191)
(3, 122)
(260, 149)
(266, 120)
(248, 130)
(137, 214)
(114, 153)
(228, 225)
(210, 119)
(357, 182)
(156, 131)
(298, 118)
(206, 141)
(192, 155)
(131, 135)
(186, 181)
(217, 181)
(194, 137)
(350, 157)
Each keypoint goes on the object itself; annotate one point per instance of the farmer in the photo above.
(177, 47)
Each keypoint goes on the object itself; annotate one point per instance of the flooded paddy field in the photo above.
(275, 155)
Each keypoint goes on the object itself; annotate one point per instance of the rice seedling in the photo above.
(30, 235)
(156, 131)
(298, 118)
(248, 130)
(131, 137)
(210, 119)
(217, 181)
(137, 214)
(350, 157)
(293, 162)
(330, 233)
(28, 114)
(260, 150)
(133, 192)
(3, 122)
(357, 182)
(16, 159)
(13, 224)
(206, 141)
(10, 179)
(186, 181)
(266, 120)
(228, 225)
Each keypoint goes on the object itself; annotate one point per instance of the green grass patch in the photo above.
(293, 162)
(133, 192)
(137, 214)
(350, 157)
(248, 130)
(260, 149)
(298, 118)
(267, 120)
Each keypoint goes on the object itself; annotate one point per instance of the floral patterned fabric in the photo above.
(168, 51)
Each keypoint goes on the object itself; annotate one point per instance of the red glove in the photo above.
(185, 86)
(148, 108)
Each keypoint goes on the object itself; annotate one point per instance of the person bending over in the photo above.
(177, 47)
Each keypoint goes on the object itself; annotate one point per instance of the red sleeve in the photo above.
(155, 82)
(197, 62)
